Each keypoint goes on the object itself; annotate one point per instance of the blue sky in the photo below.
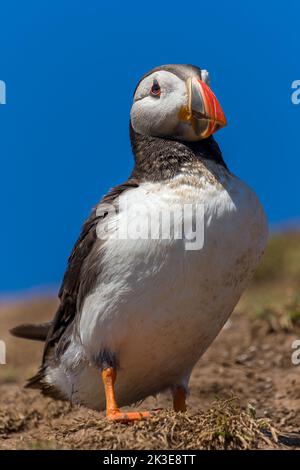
(70, 68)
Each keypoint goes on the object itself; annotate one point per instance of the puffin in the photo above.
(161, 261)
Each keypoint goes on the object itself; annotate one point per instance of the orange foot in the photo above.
(113, 412)
(129, 416)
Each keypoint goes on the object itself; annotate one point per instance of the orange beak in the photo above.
(204, 111)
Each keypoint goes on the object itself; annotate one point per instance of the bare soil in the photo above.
(250, 359)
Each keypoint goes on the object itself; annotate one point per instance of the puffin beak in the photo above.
(203, 111)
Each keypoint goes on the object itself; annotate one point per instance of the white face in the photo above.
(158, 104)
(158, 114)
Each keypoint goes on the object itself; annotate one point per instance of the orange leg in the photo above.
(179, 396)
(112, 410)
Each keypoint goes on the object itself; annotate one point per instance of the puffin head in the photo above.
(176, 102)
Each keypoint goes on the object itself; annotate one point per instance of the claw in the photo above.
(129, 416)
(112, 410)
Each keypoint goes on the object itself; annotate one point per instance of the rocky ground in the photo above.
(245, 391)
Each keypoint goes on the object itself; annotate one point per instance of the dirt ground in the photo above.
(250, 359)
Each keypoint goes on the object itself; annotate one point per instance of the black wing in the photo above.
(78, 281)
(82, 270)
(70, 287)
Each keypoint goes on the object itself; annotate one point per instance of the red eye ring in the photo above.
(155, 89)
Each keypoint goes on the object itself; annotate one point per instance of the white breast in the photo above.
(158, 305)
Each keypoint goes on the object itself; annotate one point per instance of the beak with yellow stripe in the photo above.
(202, 111)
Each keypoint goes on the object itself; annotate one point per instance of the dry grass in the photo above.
(251, 359)
(225, 425)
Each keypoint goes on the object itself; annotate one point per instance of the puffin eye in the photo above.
(155, 89)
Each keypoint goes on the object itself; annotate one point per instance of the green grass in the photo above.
(281, 318)
(228, 426)
(281, 260)
(9, 374)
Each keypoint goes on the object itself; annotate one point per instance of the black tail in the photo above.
(36, 332)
